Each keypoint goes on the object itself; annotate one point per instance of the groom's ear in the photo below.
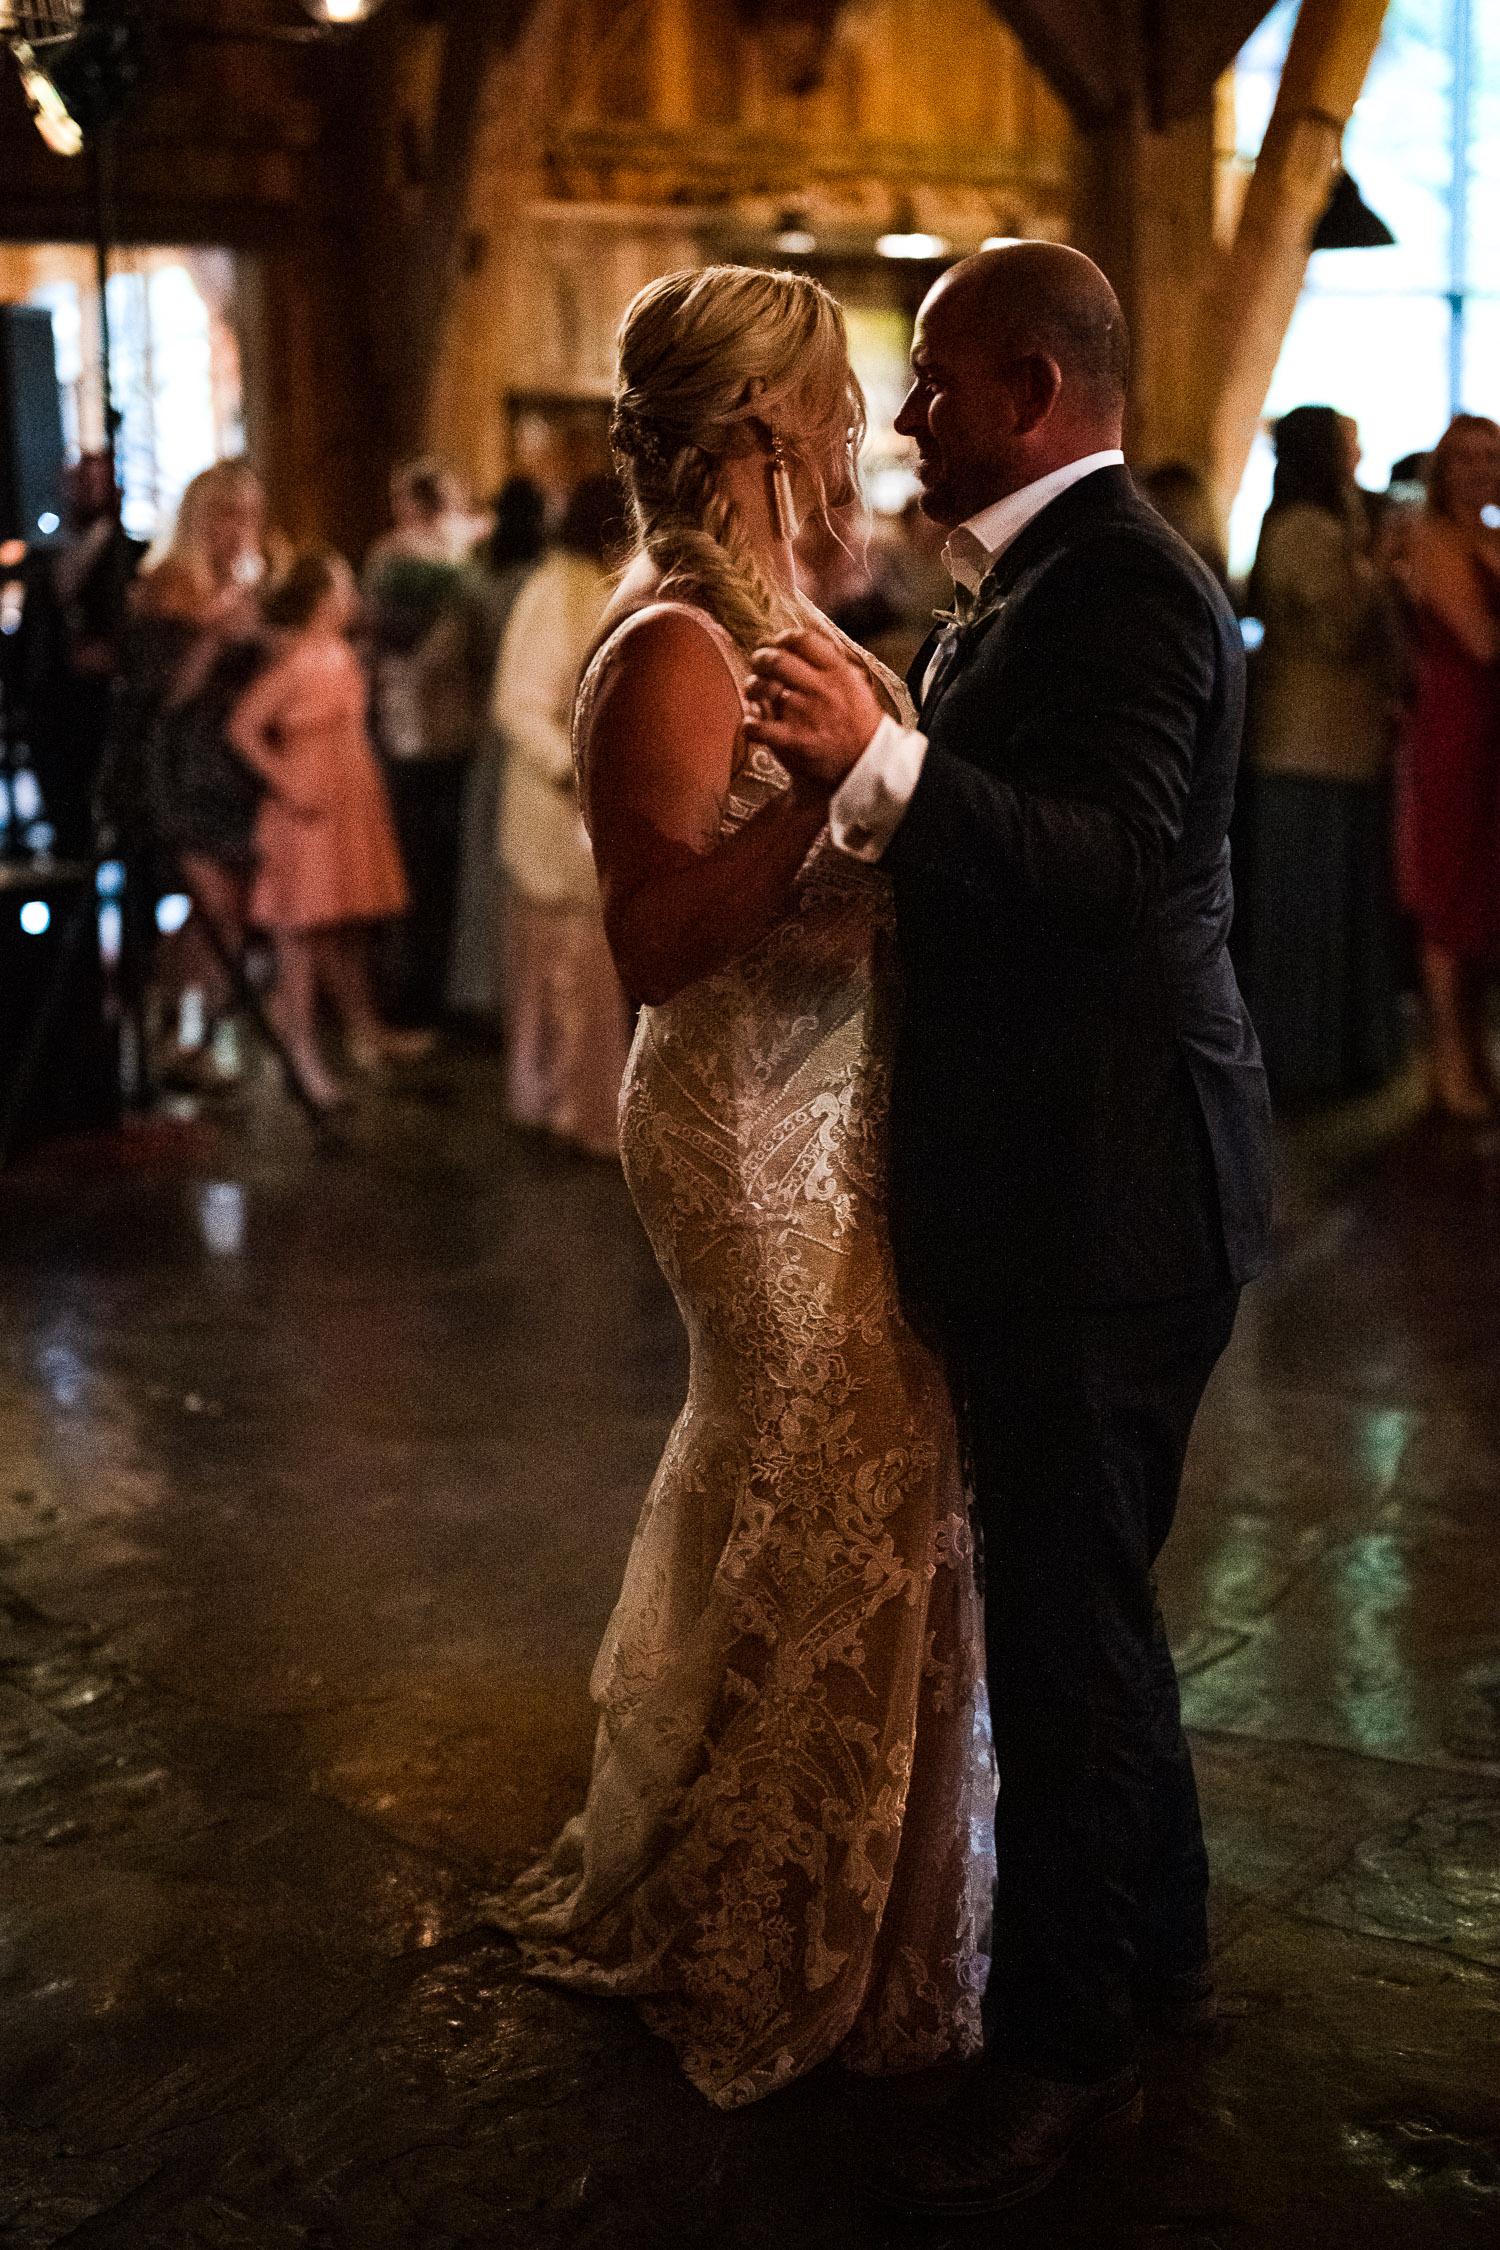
(1034, 382)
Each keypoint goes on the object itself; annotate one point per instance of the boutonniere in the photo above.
(971, 608)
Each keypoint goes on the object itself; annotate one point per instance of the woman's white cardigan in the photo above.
(541, 840)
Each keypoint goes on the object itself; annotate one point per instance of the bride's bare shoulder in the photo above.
(665, 633)
(661, 713)
(666, 661)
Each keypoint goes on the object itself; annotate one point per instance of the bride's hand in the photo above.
(810, 706)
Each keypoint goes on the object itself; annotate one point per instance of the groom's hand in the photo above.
(810, 706)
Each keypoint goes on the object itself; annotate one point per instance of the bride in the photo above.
(776, 1859)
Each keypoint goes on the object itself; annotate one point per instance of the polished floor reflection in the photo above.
(319, 1468)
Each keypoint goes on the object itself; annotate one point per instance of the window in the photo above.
(174, 364)
(1403, 337)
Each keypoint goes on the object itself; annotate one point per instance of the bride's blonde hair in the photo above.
(702, 354)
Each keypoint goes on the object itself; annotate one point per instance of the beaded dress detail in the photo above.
(784, 1851)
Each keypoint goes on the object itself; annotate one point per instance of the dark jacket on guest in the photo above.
(1079, 1114)
(67, 656)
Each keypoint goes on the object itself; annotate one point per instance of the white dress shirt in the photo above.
(869, 804)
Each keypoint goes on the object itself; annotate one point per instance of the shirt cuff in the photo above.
(870, 802)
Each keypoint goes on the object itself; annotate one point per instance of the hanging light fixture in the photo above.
(49, 112)
(794, 238)
(32, 29)
(337, 13)
(907, 240)
(1348, 223)
(913, 244)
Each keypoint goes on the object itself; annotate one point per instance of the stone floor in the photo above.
(317, 1470)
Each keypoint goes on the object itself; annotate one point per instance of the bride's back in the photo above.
(659, 653)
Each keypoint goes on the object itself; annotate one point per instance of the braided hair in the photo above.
(702, 354)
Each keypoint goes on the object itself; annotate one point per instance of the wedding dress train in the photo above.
(785, 1848)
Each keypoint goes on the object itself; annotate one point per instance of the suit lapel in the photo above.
(1027, 556)
(917, 670)
(1098, 494)
(955, 656)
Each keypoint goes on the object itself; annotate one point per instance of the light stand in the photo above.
(101, 146)
(96, 54)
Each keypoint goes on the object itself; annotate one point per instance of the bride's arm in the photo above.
(679, 901)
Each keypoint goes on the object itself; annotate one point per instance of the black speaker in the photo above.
(31, 433)
(58, 1059)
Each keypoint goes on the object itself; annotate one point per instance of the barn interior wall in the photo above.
(440, 222)
(619, 143)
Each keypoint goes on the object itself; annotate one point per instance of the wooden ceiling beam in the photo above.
(1105, 57)
(1087, 50)
(1189, 48)
(1139, 78)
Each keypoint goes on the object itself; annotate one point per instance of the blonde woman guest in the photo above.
(567, 1018)
(775, 1861)
(193, 643)
(328, 866)
(1449, 834)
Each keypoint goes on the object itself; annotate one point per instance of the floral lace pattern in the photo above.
(783, 1851)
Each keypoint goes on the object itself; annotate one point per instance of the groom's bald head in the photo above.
(1041, 297)
(1020, 362)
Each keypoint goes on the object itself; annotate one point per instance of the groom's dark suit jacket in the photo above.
(1080, 1114)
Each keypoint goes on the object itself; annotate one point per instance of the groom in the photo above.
(1079, 1147)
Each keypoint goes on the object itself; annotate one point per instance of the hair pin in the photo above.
(638, 444)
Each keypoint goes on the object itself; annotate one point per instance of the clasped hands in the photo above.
(810, 707)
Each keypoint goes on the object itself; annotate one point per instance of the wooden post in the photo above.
(399, 176)
(313, 425)
(1145, 213)
(1332, 48)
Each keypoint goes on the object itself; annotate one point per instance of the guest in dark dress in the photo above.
(424, 731)
(483, 599)
(1449, 834)
(1316, 934)
(179, 802)
(1181, 495)
(70, 646)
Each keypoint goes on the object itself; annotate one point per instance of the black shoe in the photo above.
(1002, 2138)
(1183, 2007)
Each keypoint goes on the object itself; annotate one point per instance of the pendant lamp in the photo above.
(1348, 223)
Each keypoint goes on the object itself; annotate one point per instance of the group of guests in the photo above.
(1367, 827)
(1367, 834)
(375, 778)
(240, 761)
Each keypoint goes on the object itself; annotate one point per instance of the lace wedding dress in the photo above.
(783, 1851)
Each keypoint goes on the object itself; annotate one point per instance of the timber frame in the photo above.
(1208, 316)
(409, 200)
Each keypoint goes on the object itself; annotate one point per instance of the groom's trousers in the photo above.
(1077, 1421)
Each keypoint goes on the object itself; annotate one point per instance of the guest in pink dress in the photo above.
(328, 863)
(1449, 837)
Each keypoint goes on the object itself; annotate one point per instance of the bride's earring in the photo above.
(783, 507)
